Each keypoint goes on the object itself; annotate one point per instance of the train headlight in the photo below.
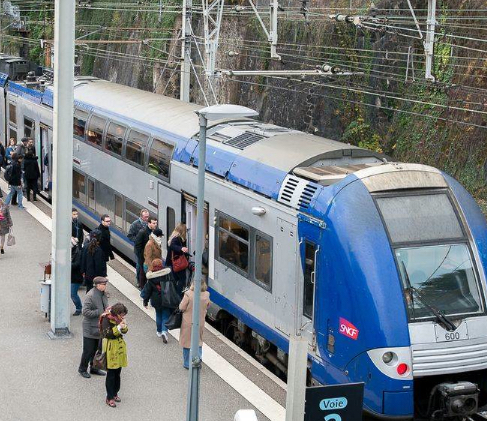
(388, 357)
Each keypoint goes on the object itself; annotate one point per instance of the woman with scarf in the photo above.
(113, 327)
(153, 249)
(5, 224)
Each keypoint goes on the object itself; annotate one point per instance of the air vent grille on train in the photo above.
(244, 140)
(297, 192)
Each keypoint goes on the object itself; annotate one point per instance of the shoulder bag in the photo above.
(175, 320)
(11, 238)
(179, 263)
(100, 358)
(170, 297)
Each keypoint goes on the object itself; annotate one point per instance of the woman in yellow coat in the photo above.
(113, 328)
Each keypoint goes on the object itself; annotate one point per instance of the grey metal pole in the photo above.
(296, 379)
(429, 43)
(195, 368)
(185, 76)
(62, 166)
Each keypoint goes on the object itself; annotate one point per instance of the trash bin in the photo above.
(46, 297)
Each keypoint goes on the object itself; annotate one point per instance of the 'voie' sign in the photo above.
(334, 403)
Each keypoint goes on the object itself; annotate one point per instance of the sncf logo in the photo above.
(348, 329)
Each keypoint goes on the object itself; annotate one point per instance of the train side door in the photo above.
(310, 236)
(45, 153)
(190, 205)
(284, 277)
(169, 208)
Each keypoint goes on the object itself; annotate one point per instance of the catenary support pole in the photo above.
(62, 166)
(296, 378)
(195, 361)
(185, 77)
(429, 42)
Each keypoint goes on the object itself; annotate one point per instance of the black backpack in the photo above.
(8, 173)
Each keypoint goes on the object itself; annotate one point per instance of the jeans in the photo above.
(186, 356)
(75, 296)
(13, 189)
(112, 382)
(162, 316)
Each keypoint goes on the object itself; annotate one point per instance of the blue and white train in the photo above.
(381, 266)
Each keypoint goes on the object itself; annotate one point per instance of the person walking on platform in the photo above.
(113, 328)
(5, 224)
(94, 306)
(138, 224)
(31, 174)
(105, 239)
(93, 261)
(77, 235)
(153, 249)
(139, 247)
(152, 292)
(177, 250)
(76, 276)
(186, 307)
(13, 175)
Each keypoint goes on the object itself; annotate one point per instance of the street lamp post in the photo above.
(215, 112)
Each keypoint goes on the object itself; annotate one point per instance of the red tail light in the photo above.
(402, 369)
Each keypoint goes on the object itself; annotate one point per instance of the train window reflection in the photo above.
(233, 246)
(12, 113)
(309, 279)
(114, 138)
(13, 134)
(263, 260)
(91, 194)
(135, 148)
(79, 124)
(95, 130)
(118, 211)
(160, 158)
(132, 212)
(442, 277)
(79, 187)
(29, 127)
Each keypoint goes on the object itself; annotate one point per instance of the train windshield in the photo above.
(441, 277)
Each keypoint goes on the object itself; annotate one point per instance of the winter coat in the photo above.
(105, 242)
(16, 178)
(31, 168)
(186, 307)
(174, 249)
(93, 307)
(134, 229)
(76, 258)
(93, 265)
(152, 251)
(77, 231)
(5, 220)
(152, 288)
(116, 347)
(140, 242)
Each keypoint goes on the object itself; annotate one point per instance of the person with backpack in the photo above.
(113, 326)
(94, 305)
(152, 292)
(13, 175)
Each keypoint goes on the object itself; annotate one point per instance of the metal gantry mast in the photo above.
(186, 33)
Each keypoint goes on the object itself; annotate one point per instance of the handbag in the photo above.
(100, 358)
(170, 297)
(10, 238)
(179, 263)
(175, 320)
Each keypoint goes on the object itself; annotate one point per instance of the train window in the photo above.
(79, 187)
(96, 127)
(104, 199)
(12, 113)
(91, 194)
(29, 126)
(263, 260)
(309, 279)
(160, 158)
(118, 211)
(114, 138)
(12, 134)
(135, 148)
(233, 244)
(419, 218)
(79, 124)
(170, 220)
(132, 212)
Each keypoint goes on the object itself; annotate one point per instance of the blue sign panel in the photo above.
(343, 402)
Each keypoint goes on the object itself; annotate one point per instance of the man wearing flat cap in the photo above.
(93, 307)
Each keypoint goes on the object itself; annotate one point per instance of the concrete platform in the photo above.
(39, 378)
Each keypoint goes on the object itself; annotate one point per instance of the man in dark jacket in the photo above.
(14, 175)
(94, 305)
(105, 244)
(139, 246)
(31, 174)
(93, 263)
(138, 224)
(76, 229)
